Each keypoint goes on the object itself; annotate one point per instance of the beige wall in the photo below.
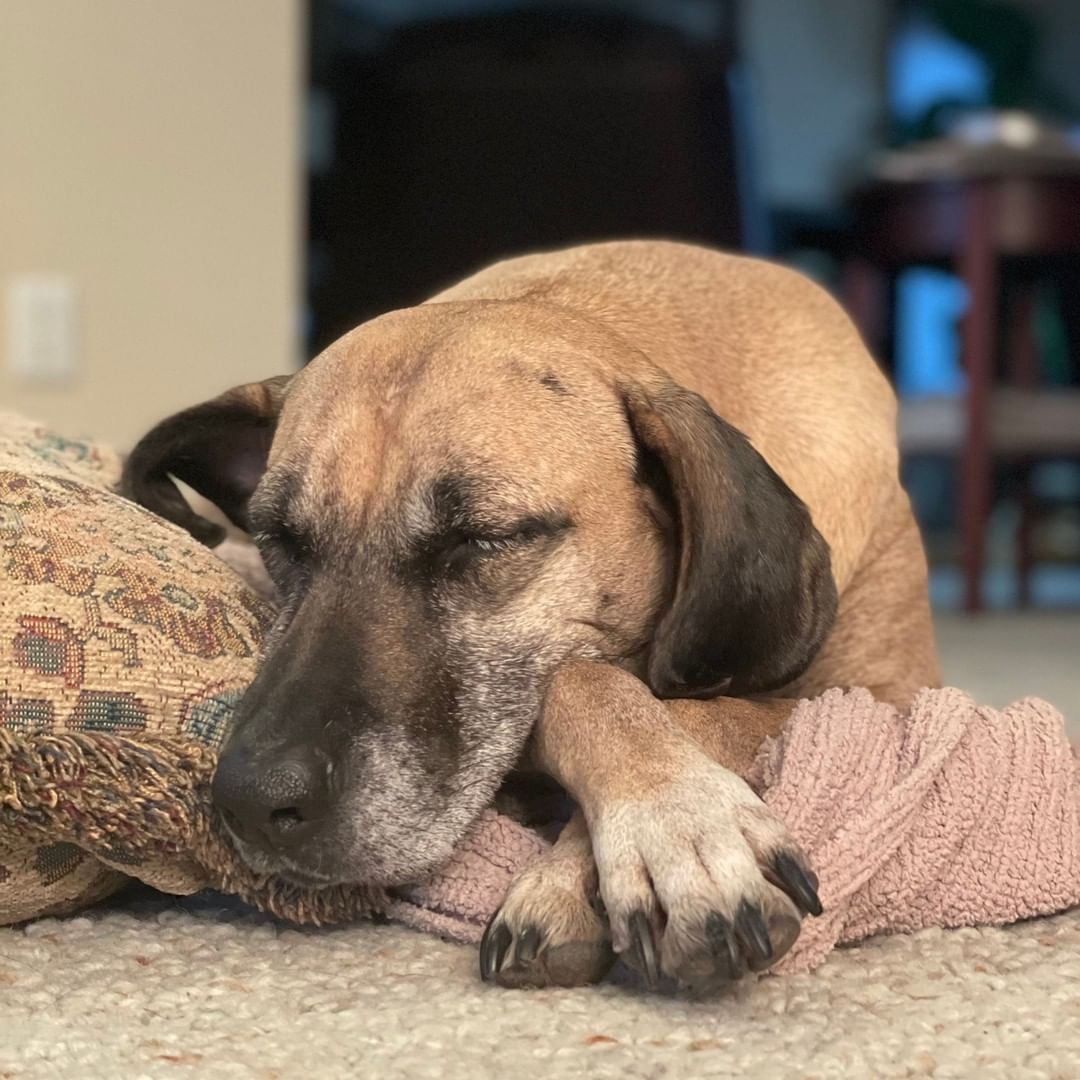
(151, 152)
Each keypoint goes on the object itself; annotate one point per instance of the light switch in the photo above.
(42, 327)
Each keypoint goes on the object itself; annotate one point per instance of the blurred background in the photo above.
(196, 193)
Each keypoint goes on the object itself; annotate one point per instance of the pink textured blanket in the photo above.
(950, 815)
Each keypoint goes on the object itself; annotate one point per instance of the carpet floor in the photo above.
(151, 987)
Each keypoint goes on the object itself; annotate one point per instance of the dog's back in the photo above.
(769, 350)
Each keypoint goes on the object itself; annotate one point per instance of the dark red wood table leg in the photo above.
(1024, 555)
(1024, 368)
(977, 265)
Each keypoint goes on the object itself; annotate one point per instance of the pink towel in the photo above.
(949, 815)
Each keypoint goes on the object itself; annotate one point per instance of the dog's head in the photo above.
(453, 501)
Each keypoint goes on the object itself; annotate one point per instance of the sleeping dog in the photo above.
(601, 514)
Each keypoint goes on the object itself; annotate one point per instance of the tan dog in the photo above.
(509, 528)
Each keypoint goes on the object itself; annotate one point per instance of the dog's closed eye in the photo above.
(462, 550)
(283, 550)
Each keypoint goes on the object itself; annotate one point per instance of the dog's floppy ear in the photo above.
(754, 593)
(218, 448)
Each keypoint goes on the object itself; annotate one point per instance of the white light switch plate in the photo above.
(42, 327)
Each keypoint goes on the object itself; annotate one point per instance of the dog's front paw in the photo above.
(548, 932)
(700, 881)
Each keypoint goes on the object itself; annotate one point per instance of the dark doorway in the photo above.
(443, 141)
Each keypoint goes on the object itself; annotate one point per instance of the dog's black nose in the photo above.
(273, 801)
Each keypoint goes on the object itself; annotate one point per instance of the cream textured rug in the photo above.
(149, 987)
(197, 990)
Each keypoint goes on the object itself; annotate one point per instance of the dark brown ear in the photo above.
(218, 448)
(754, 594)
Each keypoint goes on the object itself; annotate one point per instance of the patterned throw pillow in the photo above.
(111, 621)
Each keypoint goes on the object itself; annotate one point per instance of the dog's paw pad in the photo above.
(701, 882)
(547, 932)
(528, 959)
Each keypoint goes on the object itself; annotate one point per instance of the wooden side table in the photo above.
(972, 224)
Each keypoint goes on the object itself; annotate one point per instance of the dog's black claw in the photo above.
(753, 935)
(722, 941)
(529, 944)
(493, 947)
(797, 883)
(641, 935)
